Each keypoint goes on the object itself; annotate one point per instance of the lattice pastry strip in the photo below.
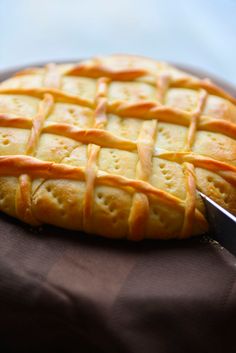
(189, 169)
(140, 208)
(143, 110)
(23, 195)
(120, 87)
(100, 120)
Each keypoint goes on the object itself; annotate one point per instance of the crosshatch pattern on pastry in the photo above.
(116, 146)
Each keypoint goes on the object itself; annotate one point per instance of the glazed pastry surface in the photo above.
(116, 146)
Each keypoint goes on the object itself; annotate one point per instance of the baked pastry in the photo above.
(116, 146)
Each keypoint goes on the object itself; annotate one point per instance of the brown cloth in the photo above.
(63, 291)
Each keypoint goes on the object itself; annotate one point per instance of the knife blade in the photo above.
(222, 224)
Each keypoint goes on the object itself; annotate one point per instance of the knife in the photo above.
(222, 224)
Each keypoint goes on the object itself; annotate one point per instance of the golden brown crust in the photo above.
(146, 118)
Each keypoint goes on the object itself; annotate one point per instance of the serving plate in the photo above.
(62, 289)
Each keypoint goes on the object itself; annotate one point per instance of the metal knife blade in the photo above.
(222, 224)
